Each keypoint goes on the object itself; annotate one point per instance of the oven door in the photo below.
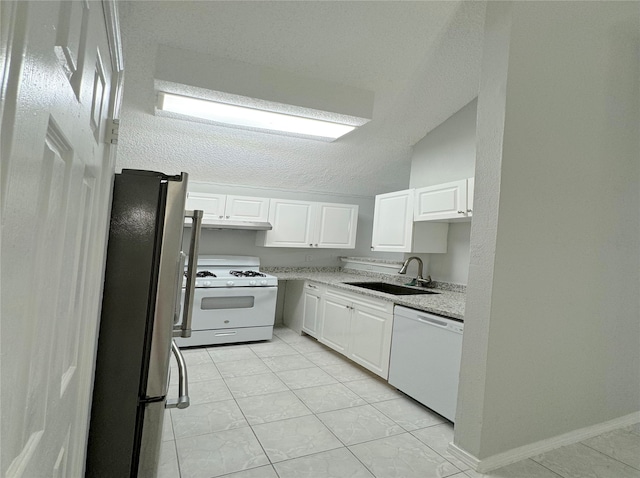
(233, 307)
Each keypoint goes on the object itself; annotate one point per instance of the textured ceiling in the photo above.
(421, 59)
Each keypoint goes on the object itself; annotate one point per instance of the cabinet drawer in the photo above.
(314, 287)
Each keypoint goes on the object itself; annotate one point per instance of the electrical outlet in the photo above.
(308, 258)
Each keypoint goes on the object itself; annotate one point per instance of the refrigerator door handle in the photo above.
(184, 330)
(183, 381)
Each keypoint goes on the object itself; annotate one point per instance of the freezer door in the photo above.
(151, 439)
(170, 268)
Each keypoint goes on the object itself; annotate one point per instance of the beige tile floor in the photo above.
(292, 408)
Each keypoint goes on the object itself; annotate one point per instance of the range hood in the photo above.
(239, 225)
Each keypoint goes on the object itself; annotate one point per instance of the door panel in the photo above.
(242, 208)
(56, 177)
(212, 205)
(444, 201)
(336, 324)
(337, 225)
(310, 313)
(371, 340)
(393, 222)
(293, 224)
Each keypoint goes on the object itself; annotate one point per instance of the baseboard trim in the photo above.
(543, 446)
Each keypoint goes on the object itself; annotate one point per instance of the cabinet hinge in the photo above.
(113, 127)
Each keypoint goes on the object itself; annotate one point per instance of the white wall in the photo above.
(448, 153)
(551, 323)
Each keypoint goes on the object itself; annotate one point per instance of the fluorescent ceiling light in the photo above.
(250, 117)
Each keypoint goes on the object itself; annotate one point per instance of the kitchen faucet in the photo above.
(419, 280)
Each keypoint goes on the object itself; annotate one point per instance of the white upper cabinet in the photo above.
(220, 207)
(444, 201)
(395, 231)
(292, 223)
(310, 225)
(393, 221)
(336, 225)
(211, 204)
(244, 208)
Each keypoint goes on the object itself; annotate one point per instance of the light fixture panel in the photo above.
(251, 118)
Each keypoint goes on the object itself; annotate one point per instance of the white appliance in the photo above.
(425, 358)
(232, 302)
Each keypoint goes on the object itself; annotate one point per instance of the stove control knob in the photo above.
(206, 283)
(252, 282)
(263, 282)
(229, 283)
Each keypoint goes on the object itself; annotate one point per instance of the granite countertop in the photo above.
(447, 303)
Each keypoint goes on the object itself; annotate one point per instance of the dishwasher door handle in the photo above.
(433, 321)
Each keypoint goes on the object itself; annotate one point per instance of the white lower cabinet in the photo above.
(358, 327)
(302, 306)
(336, 322)
(311, 308)
(371, 339)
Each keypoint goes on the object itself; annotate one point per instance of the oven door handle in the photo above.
(184, 330)
(183, 381)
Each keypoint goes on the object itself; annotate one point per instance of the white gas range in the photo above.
(233, 302)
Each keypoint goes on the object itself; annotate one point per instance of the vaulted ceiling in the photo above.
(421, 60)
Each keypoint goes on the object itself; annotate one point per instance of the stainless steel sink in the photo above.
(393, 289)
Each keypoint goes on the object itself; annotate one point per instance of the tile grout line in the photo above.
(609, 456)
(550, 469)
(357, 367)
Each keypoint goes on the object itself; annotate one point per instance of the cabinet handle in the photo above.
(371, 247)
(469, 210)
(316, 245)
(310, 245)
(460, 212)
(228, 217)
(221, 217)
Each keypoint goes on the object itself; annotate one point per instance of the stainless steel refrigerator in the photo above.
(140, 310)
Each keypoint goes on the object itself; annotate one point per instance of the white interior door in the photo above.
(60, 80)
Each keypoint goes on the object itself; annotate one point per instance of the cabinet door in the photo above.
(444, 201)
(336, 323)
(336, 226)
(393, 222)
(244, 208)
(371, 339)
(311, 310)
(471, 186)
(292, 223)
(212, 204)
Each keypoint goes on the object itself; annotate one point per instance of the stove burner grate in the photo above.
(246, 274)
(203, 274)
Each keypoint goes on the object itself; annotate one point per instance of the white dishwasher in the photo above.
(425, 358)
